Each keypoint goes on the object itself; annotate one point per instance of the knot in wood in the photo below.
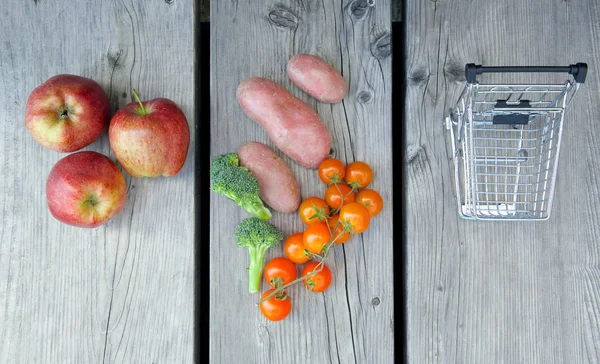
(364, 97)
(359, 8)
(454, 71)
(418, 76)
(381, 47)
(283, 18)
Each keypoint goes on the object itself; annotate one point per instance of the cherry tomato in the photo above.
(332, 171)
(318, 282)
(356, 215)
(277, 307)
(280, 271)
(316, 236)
(294, 249)
(371, 200)
(358, 174)
(335, 193)
(312, 210)
(338, 235)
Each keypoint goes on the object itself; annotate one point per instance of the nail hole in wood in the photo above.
(375, 301)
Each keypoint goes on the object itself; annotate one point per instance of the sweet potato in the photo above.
(278, 186)
(294, 127)
(317, 78)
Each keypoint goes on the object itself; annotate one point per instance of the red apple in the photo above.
(85, 189)
(150, 138)
(67, 112)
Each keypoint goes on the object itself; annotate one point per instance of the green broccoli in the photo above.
(257, 236)
(224, 161)
(238, 184)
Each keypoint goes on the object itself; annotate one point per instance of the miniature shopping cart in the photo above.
(506, 143)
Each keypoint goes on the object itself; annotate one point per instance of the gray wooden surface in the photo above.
(481, 292)
(396, 7)
(352, 322)
(122, 292)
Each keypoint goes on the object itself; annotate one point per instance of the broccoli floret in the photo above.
(238, 184)
(257, 236)
(224, 161)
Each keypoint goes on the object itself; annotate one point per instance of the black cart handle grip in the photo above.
(579, 70)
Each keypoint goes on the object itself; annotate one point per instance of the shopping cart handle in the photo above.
(579, 70)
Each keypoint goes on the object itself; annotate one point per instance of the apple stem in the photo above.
(137, 97)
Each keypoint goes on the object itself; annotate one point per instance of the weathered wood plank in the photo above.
(500, 292)
(396, 10)
(352, 321)
(122, 292)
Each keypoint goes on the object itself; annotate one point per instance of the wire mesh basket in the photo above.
(506, 143)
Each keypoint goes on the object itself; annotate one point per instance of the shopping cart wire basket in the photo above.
(506, 143)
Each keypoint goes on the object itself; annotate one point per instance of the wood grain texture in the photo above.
(483, 292)
(121, 293)
(352, 322)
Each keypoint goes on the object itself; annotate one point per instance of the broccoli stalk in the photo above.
(257, 236)
(238, 184)
(257, 264)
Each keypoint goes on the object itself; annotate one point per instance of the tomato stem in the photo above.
(280, 289)
(314, 256)
(320, 214)
(321, 259)
(335, 179)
